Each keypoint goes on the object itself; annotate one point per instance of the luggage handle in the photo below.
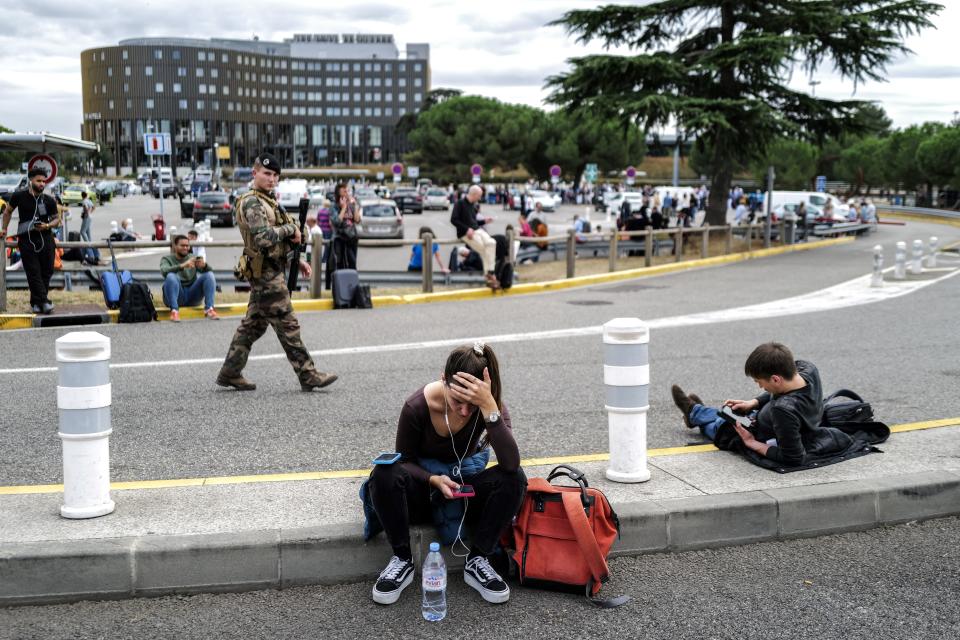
(587, 541)
(577, 476)
(113, 258)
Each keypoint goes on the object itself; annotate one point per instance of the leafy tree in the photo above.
(864, 163)
(573, 140)
(10, 160)
(794, 161)
(460, 131)
(902, 155)
(408, 121)
(939, 157)
(720, 69)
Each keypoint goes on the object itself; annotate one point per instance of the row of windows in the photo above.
(211, 56)
(369, 112)
(331, 96)
(330, 81)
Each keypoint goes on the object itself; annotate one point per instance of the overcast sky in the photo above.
(497, 48)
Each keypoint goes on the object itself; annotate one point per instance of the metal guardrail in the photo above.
(939, 213)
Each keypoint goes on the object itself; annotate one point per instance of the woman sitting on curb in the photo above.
(439, 439)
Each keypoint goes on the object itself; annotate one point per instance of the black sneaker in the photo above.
(480, 575)
(393, 580)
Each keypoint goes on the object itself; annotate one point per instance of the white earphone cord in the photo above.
(459, 472)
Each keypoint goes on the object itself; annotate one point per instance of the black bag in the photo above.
(845, 406)
(505, 274)
(361, 297)
(136, 303)
(73, 253)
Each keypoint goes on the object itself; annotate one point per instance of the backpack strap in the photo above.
(587, 542)
(844, 393)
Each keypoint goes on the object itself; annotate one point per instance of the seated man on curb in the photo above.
(786, 428)
(187, 280)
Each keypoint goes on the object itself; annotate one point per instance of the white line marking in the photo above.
(846, 294)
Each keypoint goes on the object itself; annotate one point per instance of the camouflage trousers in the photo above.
(269, 305)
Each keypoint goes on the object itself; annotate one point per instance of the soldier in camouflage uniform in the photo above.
(267, 233)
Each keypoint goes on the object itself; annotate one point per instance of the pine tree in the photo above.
(720, 69)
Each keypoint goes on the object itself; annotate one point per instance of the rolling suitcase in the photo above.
(345, 283)
(111, 282)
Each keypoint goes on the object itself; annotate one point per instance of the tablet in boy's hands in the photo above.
(728, 413)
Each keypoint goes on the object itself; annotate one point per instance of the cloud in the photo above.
(924, 72)
(493, 77)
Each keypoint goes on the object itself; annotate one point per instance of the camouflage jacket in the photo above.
(264, 227)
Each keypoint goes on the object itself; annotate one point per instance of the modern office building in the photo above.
(312, 100)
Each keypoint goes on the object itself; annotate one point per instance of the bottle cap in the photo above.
(434, 546)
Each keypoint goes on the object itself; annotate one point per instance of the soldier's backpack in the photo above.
(136, 303)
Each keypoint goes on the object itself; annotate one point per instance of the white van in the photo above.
(817, 199)
(290, 192)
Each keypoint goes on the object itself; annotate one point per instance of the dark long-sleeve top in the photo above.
(794, 418)
(464, 216)
(416, 438)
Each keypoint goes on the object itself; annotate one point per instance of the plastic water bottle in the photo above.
(434, 585)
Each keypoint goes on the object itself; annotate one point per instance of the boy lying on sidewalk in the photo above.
(785, 432)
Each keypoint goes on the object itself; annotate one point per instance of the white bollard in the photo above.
(626, 377)
(83, 400)
(932, 256)
(876, 280)
(916, 265)
(900, 261)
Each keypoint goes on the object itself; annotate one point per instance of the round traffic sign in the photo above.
(631, 172)
(476, 169)
(45, 162)
(555, 171)
(397, 168)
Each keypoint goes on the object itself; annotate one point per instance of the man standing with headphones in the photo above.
(38, 215)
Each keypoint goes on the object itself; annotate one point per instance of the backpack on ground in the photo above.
(362, 299)
(845, 406)
(136, 303)
(73, 253)
(562, 536)
(111, 282)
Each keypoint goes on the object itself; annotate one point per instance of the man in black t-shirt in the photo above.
(38, 215)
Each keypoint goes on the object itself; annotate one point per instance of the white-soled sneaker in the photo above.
(393, 580)
(480, 575)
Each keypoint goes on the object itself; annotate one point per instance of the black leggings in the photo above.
(401, 499)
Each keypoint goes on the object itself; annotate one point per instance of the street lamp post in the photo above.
(813, 87)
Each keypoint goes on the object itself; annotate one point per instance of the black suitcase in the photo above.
(345, 283)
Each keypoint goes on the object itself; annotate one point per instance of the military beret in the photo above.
(269, 161)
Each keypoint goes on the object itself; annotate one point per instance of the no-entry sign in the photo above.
(45, 162)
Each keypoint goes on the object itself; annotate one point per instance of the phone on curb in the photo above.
(728, 412)
(386, 458)
(464, 491)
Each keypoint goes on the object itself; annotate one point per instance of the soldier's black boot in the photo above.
(238, 382)
(318, 381)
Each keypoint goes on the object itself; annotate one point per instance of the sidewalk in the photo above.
(233, 534)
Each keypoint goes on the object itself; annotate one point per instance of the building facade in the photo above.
(312, 100)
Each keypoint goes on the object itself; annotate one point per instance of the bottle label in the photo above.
(434, 583)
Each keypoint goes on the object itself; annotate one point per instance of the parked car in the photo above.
(436, 199)
(72, 193)
(164, 185)
(615, 202)
(10, 182)
(242, 175)
(214, 206)
(545, 199)
(366, 193)
(290, 192)
(380, 219)
(408, 199)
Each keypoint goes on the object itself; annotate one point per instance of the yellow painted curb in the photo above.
(917, 217)
(25, 321)
(363, 473)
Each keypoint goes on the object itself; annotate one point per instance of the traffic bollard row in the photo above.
(83, 402)
(626, 378)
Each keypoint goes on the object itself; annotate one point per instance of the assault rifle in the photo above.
(298, 249)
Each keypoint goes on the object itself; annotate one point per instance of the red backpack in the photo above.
(562, 536)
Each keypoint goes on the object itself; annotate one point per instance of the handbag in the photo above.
(562, 536)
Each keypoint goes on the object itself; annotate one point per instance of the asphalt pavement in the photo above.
(892, 583)
(171, 421)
